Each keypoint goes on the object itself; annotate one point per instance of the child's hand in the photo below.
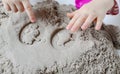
(93, 11)
(19, 5)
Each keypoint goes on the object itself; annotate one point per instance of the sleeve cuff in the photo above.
(114, 10)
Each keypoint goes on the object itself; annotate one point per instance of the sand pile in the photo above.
(46, 47)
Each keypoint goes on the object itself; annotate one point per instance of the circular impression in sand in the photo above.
(29, 34)
(63, 39)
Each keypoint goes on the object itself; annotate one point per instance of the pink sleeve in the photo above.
(114, 10)
(80, 3)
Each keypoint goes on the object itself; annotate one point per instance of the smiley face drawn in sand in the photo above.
(29, 34)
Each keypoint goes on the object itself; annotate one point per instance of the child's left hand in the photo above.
(95, 10)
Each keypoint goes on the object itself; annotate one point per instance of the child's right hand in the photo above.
(19, 5)
(94, 11)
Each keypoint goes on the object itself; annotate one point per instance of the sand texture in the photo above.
(46, 47)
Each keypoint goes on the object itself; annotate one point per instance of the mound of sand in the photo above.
(46, 47)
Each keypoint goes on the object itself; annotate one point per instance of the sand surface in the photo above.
(46, 47)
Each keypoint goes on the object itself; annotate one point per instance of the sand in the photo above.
(46, 47)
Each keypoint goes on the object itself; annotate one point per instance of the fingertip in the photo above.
(83, 27)
(33, 20)
(97, 27)
(32, 17)
(68, 14)
(74, 28)
(71, 23)
(29, 11)
(68, 27)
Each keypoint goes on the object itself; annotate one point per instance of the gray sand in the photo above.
(46, 47)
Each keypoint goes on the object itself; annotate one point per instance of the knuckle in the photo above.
(85, 14)
(93, 14)
(87, 23)
(77, 14)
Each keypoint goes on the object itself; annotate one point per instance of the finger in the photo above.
(99, 24)
(13, 8)
(72, 22)
(78, 23)
(88, 22)
(70, 15)
(6, 6)
(29, 10)
(20, 6)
